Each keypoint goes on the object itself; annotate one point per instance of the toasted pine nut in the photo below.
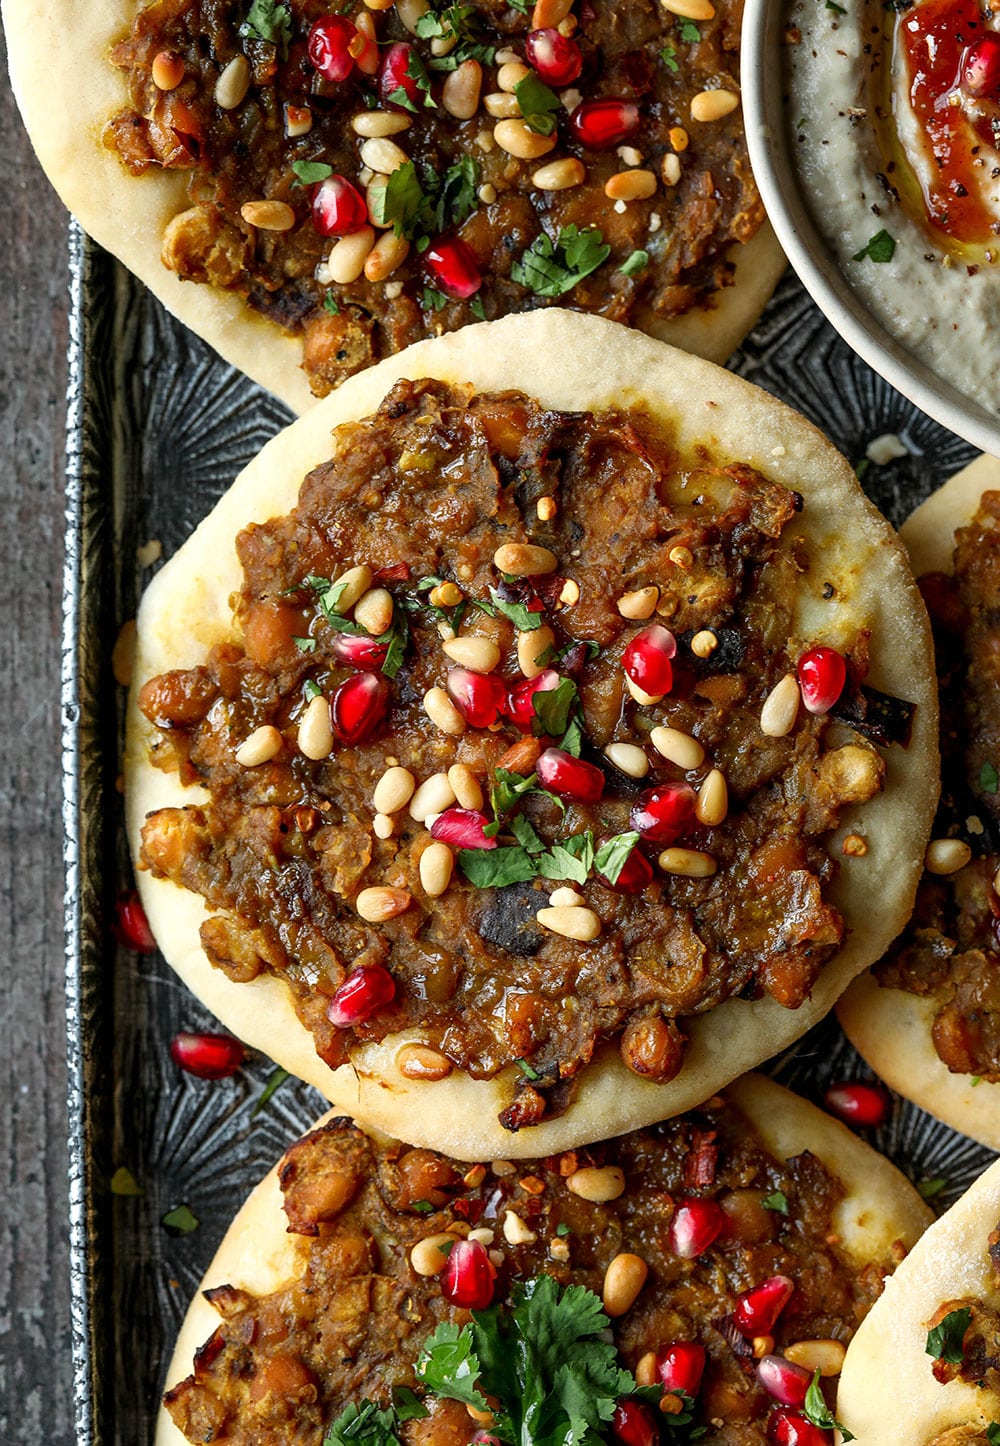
(167, 70)
(436, 864)
(383, 826)
(565, 898)
(268, 215)
(426, 1257)
(434, 795)
(646, 1373)
(531, 647)
(690, 9)
(315, 732)
(515, 1232)
(546, 508)
(487, 194)
(825, 1356)
(389, 252)
(373, 611)
(445, 595)
(481, 1418)
(640, 695)
(376, 124)
(713, 799)
(346, 260)
(393, 790)
(484, 1235)
(479, 654)
(570, 595)
(522, 559)
(298, 120)
(781, 708)
(996, 882)
(233, 84)
(670, 169)
(630, 186)
(679, 138)
(503, 1169)
(443, 713)
(598, 1184)
(712, 105)
(559, 175)
(640, 604)
(677, 747)
(507, 56)
(762, 1346)
(261, 746)
(549, 13)
(946, 855)
(629, 758)
(681, 557)
(704, 644)
(380, 154)
(380, 4)
(363, 47)
(511, 74)
(377, 904)
(518, 139)
(573, 923)
(689, 863)
(502, 106)
(623, 1280)
(460, 92)
(410, 11)
(353, 585)
(467, 788)
(559, 1249)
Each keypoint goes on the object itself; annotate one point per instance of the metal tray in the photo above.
(158, 427)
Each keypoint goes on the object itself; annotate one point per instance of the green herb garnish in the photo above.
(550, 269)
(275, 1080)
(433, 300)
(563, 1229)
(526, 1069)
(637, 262)
(539, 105)
(270, 21)
(416, 72)
(552, 708)
(993, 1433)
(669, 57)
(419, 206)
(690, 32)
(989, 779)
(312, 690)
(181, 1220)
(837, 9)
(304, 645)
(331, 304)
(881, 246)
(123, 1182)
(364, 1425)
(777, 1201)
(929, 1188)
(462, 22)
(818, 1412)
(495, 868)
(569, 859)
(944, 1342)
(310, 173)
(614, 854)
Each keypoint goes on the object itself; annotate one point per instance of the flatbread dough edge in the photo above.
(568, 361)
(880, 1207)
(890, 1027)
(67, 90)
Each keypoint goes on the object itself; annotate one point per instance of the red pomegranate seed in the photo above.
(454, 267)
(661, 814)
(569, 777)
(462, 827)
(757, 1309)
(329, 46)
(788, 1428)
(636, 873)
(393, 75)
(822, 675)
(602, 124)
(681, 1366)
(485, 1438)
(338, 209)
(468, 1277)
(520, 705)
(131, 927)
(858, 1103)
(784, 1380)
(358, 706)
(555, 57)
(634, 1424)
(695, 1225)
(361, 995)
(480, 697)
(646, 660)
(980, 70)
(363, 653)
(209, 1056)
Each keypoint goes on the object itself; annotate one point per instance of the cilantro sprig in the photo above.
(462, 23)
(818, 1412)
(270, 21)
(552, 268)
(419, 205)
(944, 1342)
(880, 248)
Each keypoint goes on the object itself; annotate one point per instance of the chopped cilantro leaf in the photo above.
(929, 1188)
(508, 788)
(432, 299)
(419, 206)
(572, 739)
(457, 198)
(312, 690)
(552, 270)
(552, 708)
(690, 32)
(364, 1425)
(993, 1433)
(331, 304)
(975, 1079)
(448, 1365)
(944, 1342)
(880, 247)
(563, 1229)
(477, 308)
(669, 57)
(569, 858)
(422, 1207)
(989, 779)
(777, 1201)
(539, 105)
(818, 1412)
(180, 1221)
(275, 1080)
(526, 1069)
(123, 1182)
(517, 613)
(493, 868)
(613, 855)
(310, 173)
(837, 9)
(401, 202)
(461, 22)
(524, 832)
(304, 645)
(271, 21)
(408, 1405)
(415, 71)
(396, 639)
(637, 262)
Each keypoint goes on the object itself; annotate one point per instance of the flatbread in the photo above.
(879, 1209)
(891, 1027)
(569, 361)
(67, 90)
(888, 1395)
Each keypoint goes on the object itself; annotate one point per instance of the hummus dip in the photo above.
(895, 121)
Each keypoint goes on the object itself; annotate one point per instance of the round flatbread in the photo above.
(892, 1027)
(55, 50)
(879, 1213)
(888, 1393)
(859, 580)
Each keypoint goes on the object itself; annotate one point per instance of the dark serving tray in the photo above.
(158, 426)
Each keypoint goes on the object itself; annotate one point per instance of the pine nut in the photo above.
(443, 713)
(482, 1418)
(375, 905)
(546, 508)
(466, 785)
(233, 84)
(678, 138)
(570, 595)
(825, 1356)
(507, 56)
(681, 557)
(298, 120)
(483, 1235)
(630, 186)
(713, 799)
(393, 790)
(419, 1061)
(436, 864)
(640, 695)
(427, 1258)
(572, 923)
(434, 795)
(639, 605)
(646, 1373)
(373, 611)
(623, 1280)
(268, 215)
(629, 758)
(353, 585)
(688, 863)
(677, 747)
(996, 882)
(511, 74)
(946, 855)
(389, 252)
(515, 1232)
(380, 4)
(315, 733)
(690, 9)
(460, 92)
(445, 595)
(382, 155)
(781, 708)
(598, 1184)
(346, 260)
(565, 898)
(559, 175)
(629, 155)
(481, 655)
(534, 650)
(670, 169)
(167, 70)
(410, 11)
(261, 746)
(712, 105)
(383, 826)
(363, 48)
(376, 124)
(704, 644)
(559, 1249)
(550, 13)
(522, 559)
(762, 1346)
(502, 106)
(518, 139)
(444, 44)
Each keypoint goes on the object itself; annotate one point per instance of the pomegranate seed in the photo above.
(569, 777)
(468, 1277)
(209, 1056)
(555, 57)
(822, 675)
(364, 653)
(646, 660)
(358, 706)
(454, 267)
(757, 1309)
(602, 124)
(661, 814)
(858, 1103)
(788, 1428)
(131, 927)
(634, 1424)
(338, 209)
(480, 697)
(636, 873)
(361, 995)
(784, 1380)
(393, 75)
(462, 827)
(329, 46)
(695, 1225)
(520, 705)
(681, 1366)
(980, 70)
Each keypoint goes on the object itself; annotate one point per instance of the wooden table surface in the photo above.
(35, 1367)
